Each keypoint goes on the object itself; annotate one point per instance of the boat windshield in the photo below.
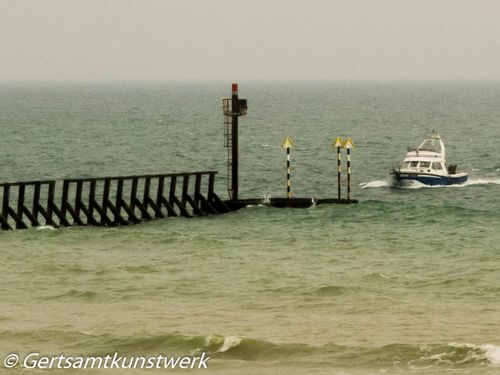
(432, 145)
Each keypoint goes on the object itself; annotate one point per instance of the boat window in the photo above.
(437, 166)
(414, 164)
(432, 145)
(407, 164)
(424, 164)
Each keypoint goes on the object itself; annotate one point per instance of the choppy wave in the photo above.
(457, 355)
(452, 355)
(332, 290)
(402, 356)
(86, 295)
(371, 209)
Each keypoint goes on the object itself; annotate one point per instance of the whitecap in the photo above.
(229, 343)
(492, 353)
(208, 339)
(489, 352)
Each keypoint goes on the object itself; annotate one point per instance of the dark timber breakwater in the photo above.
(124, 200)
(108, 201)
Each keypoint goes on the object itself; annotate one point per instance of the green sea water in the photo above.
(405, 282)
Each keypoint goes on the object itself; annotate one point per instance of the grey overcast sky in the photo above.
(75, 40)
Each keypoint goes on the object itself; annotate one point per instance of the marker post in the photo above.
(288, 144)
(348, 145)
(338, 144)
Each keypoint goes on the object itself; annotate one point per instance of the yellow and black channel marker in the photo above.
(348, 145)
(288, 144)
(338, 144)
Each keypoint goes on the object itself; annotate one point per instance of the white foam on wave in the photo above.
(224, 343)
(460, 353)
(374, 184)
(492, 353)
(208, 339)
(229, 343)
(45, 227)
(489, 352)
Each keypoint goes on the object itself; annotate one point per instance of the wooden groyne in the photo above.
(108, 201)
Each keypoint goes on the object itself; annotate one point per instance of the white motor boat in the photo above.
(426, 164)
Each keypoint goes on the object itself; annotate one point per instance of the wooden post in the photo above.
(4, 224)
(159, 193)
(147, 185)
(136, 202)
(133, 193)
(211, 183)
(161, 200)
(5, 205)
(171, 193)
(20, 202)
(105, 198)
(50, 200)
(185, 188)
(174, 201)
(64, 200)
(197, 188)
(118, 200)
(36, 200)
(92, 201)
(78, 197)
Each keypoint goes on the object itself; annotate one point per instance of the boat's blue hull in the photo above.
(429, 179)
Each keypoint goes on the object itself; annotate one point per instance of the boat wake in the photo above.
(481, 181)
(375, 184)
(418, 185)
